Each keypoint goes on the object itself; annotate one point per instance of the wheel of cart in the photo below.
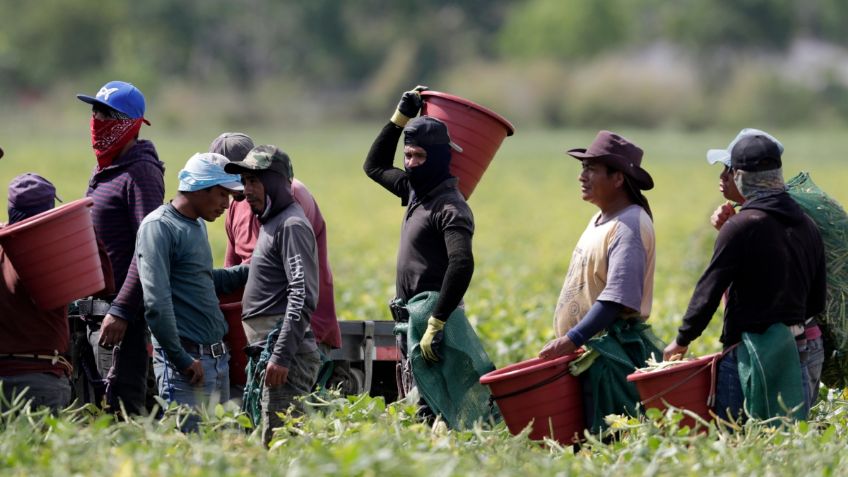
(367, 361)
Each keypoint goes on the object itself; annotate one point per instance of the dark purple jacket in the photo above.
(124, 193)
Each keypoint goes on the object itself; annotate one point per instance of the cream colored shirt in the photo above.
(613, 261)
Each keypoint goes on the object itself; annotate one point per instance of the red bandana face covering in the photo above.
(109, 136)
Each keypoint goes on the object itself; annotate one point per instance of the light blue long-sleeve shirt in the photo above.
(179, 283)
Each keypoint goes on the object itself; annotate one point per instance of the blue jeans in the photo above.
(45, 389)
(813, 364)
(174, 386)
(729, 398)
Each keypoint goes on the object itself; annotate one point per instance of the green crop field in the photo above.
(529, 216)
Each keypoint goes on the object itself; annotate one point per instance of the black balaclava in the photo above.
(278, 193)
(433, 171)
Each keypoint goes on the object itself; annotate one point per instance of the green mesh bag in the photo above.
(832, 221)
(451, 386)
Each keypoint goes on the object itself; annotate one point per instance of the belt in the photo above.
(93, 307)
(216, 350)
(399, 311)
(55, 359)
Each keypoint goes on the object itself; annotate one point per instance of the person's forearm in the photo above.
(379, 162)
(230, 279)
(600, 316)
(300, 261)
(458, 274)
(128, 303)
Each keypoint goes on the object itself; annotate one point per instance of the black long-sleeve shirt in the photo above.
(435, 244)
(771, 257)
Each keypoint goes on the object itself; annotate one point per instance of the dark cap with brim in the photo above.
(31, 190)
(428, 131)
(263, 158)
(755, 153)
(619, 154)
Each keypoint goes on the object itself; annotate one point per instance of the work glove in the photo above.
(432, 339)
(409, 105)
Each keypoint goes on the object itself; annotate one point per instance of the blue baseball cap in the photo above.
(120, 96)
(723, 155)
(206, 169)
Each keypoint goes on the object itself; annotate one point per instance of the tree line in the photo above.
(334, 46)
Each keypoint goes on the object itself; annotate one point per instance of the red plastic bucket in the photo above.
(688, 385)
(542, 392)
(477, 130)
(55, 254)
(231, 308)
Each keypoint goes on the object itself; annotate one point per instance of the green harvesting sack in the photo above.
(451, 386)
(832, 221)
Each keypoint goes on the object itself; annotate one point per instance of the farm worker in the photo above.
(33, 342)
(435, 241)
(610, 281)
(190, 360)
(811, 346)
(127, 183)
(282, 288)
(771, 256)
(242, 226)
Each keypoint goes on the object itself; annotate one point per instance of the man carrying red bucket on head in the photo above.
(609, 284)
(434, 263)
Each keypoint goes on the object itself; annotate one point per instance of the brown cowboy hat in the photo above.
(617, 153)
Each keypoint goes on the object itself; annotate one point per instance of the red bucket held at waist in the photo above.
(477, 130)
(689, 385)
(542, 392)
(55, 254)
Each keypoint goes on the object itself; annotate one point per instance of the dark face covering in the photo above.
(433, 172)
(278, 194)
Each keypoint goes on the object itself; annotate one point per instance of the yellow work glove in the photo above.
(433, 336)
(408, 107)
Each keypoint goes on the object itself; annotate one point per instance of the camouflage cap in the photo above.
(263, 158)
